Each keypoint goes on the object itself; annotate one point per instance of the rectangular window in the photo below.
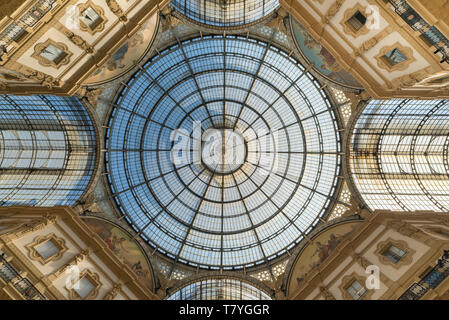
(53, 54)
(91, 18)
(357, 21)
(356, 290)
(47, 249)
(394, 57)
(83, 287)
(394, 254)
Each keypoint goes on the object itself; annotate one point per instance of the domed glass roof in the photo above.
(225, 13)
(222, 152)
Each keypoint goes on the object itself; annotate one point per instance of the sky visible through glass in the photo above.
(243, 213)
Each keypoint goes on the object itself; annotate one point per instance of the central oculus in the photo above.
(223, 151)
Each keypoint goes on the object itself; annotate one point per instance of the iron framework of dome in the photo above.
(209, 214)
(225, 13)
(47, 150)
(219, 289)
(399, 155)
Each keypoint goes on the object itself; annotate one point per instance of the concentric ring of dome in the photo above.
(225, 13)
(250, 215)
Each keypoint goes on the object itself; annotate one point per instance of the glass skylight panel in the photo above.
(207, 217)
(55, 138)
(393, 151)
(219, 289)
(232, 13)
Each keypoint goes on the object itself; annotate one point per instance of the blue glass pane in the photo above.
(47, 150)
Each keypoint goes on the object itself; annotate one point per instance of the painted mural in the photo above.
(123, 59)
(126, 248)
(321, 247)
(324, 62)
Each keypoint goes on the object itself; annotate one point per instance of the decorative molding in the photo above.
(40, 47)
(77, 259)
(46, 80)
(170, 18)
(437, 231)
(93, 278)
(370, 43)
(58, 242)
(92, 97)
(78, 41)
(411, 231)
(326, 294)
(406, 51)
(116, 9)
(347, 281)
(100, 26)
(347, 28)
(412, 79)
(32, 226)
(407, 259)
(113, 292)
(333, 10)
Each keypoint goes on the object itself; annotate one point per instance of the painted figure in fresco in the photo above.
(323, 60)
(329, 62)
(116, 244)
(137, 268)
(324, 250)
(117, 58)
(124, 247)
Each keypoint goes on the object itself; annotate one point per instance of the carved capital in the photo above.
(43, 78)
(326, 294)
(335, 7)
(116, 9)
(78, 41)
(361, 260)
(77, 259)
(113, 292)
(30, 227)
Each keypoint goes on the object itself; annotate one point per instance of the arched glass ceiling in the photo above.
(47, 150)
(225, 13)
(210, 213)
(219, 289)
(399, 155)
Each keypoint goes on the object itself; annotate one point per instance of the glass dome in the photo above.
(219, 289)
(223, 152)
(225, 13)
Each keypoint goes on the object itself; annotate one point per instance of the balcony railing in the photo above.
(15, 31)
(8, 273)
(432, 280)
(430, 33)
